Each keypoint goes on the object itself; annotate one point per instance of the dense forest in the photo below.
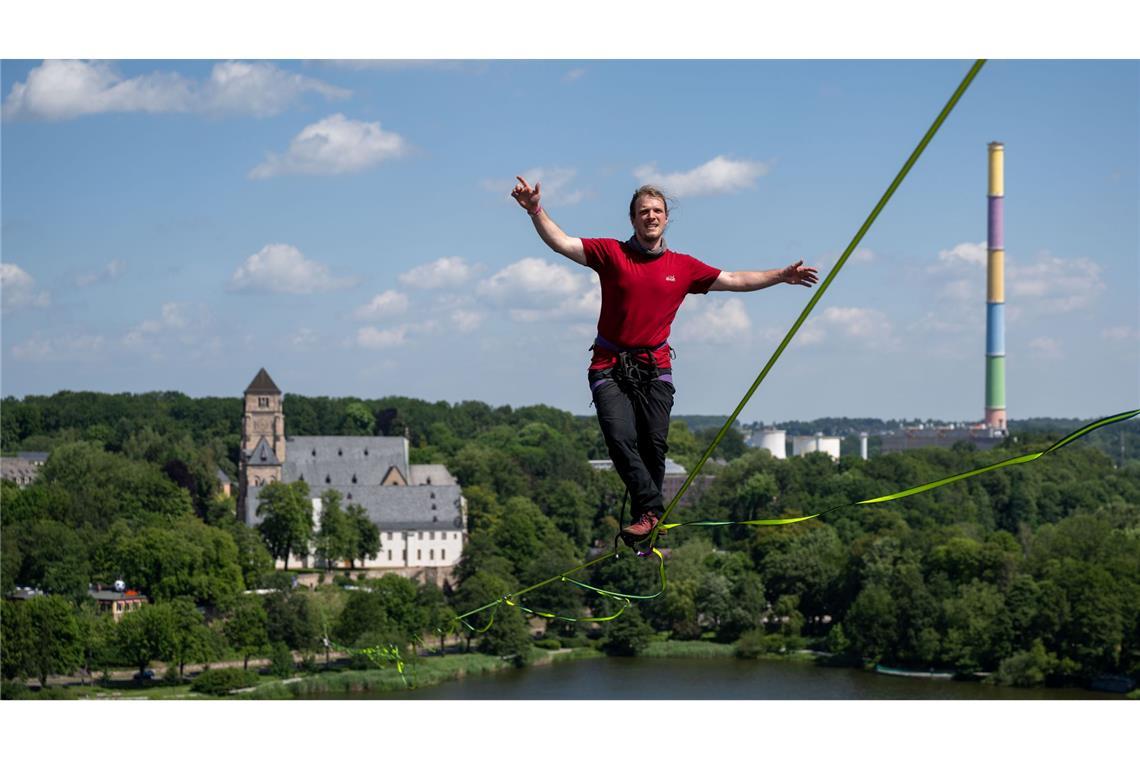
(1030, 574)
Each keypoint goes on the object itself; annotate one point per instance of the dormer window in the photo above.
(340, 452)
(434, 507)
(435, 518)
(328, 478)
(314, 452)
(354, 477)
(366, 452)
(262, 402)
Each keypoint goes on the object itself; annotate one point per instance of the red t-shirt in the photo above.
(641, 295)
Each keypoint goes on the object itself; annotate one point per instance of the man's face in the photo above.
(649, 219)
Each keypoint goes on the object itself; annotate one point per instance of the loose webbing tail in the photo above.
(776, 521)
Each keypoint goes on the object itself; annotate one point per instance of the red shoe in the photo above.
(640, 530)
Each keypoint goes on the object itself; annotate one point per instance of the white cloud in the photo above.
(63, 348)
(178, 319)
(869, 327)
(58, 90)
(1120, 332)
(333, 145)
(863, 255)
(532, 282)
(113, 269)
(1053, 284)
(715, 321)
(466, 320)
(18, 289)
(556, 185)
(383, 305)
(304, 338)
(971, 254)
(280, 268)
(371, 337)
(259, 89)
(1047, 348)
(534, 290)
(448, 272)
(573, 75)
(720, 175)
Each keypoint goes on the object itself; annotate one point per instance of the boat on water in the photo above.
(912, 673)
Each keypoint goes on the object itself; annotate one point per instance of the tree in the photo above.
(338, 537)
(628, 635)
(978, 628)
(245, 628)
(287, 518)
(253, 557)
(292, 618)
(481, 588)
(363, 613)
(509, 636)
(146, 634)
(97, 634)
(191, 639)
(358, 419)
(438, 615)
(183, 558)
(871, 623)
(41, 638)
(53, 558)
(364, 532)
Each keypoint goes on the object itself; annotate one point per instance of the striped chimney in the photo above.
(995, 291)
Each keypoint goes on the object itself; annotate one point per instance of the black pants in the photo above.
(636, 429)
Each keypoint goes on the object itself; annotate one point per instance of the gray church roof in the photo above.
(393, 507)
(431, 474)
(263, 383)
(333, 461)
(263, 454)
(356, 466)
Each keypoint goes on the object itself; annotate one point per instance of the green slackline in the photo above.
(1023, 459)
(823, 287)
(759, 379)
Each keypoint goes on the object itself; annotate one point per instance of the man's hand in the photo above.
(796, 274)
(527, 196)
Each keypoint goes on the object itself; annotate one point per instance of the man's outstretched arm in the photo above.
(793, 274)
(529, 198)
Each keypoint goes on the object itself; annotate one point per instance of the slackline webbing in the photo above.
(962, 87)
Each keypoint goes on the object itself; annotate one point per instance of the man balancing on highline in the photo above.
(630, 375)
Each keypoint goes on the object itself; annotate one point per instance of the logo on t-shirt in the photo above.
(670, 278)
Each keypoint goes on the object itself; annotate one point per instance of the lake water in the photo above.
(719, 678)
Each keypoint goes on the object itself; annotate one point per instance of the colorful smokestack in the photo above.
(995, 292)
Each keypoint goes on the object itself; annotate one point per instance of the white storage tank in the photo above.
(771, 439)
(806, 444)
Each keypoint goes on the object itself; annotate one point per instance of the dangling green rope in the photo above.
(627, 597)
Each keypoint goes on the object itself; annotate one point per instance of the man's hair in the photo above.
(651, 191)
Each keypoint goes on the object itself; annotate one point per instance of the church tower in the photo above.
(262, 439)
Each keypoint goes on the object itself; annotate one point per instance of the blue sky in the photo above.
(347, 225)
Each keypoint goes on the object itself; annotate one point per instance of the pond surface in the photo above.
(716, 678)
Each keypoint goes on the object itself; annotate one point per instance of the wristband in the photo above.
(536, 212)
